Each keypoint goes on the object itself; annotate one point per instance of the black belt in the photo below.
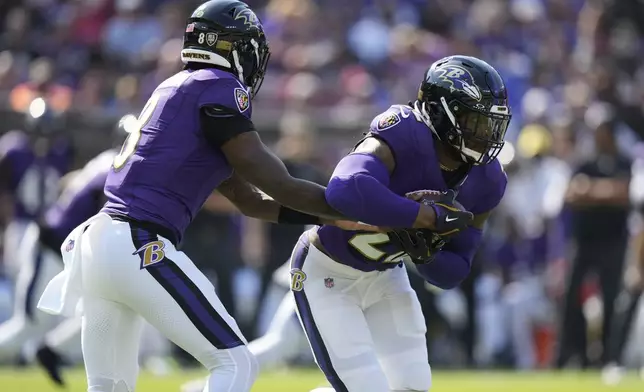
(150, 227)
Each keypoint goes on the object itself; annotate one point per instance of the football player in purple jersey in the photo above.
(194, 135)
(361, 317)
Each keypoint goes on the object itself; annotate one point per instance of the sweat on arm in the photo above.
(253, 203)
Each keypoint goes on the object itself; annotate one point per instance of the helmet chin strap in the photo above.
(424, 116)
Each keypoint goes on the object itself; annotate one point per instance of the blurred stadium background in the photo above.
(555, 283)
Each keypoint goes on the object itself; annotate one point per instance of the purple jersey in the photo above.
(166, 169)
(34, 179)
(417, 168)
(81, 198)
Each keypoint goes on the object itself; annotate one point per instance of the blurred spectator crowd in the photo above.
(557, 56)
(573, 68)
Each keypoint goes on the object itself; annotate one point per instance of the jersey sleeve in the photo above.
(224, 111)
(497, 181)
(227, 95)
(391, 127)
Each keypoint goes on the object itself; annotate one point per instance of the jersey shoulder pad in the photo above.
(403, 130)
(221, 89)
(388, 119)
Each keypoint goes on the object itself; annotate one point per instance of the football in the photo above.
(431, 196)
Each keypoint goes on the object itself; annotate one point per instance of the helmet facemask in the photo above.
(478, 134)
(250, 59)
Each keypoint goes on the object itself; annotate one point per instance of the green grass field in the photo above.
(303, 381)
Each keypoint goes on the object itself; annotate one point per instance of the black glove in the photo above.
(420, 245)
(450, 216)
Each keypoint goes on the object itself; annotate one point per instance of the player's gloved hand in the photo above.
(450, 216)
(421, 245)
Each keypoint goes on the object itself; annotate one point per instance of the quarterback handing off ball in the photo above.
(422, 244)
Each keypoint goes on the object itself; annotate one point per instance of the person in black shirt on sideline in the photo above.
(627, 304)
(598, 195)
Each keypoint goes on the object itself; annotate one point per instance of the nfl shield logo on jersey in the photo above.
(329, 283)
(69, 246)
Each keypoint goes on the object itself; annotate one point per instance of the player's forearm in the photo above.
(358, 188)
(255, 204)
(266, 210)
(307, 197)
(271, 211)
(452, 264)
(600, 192)
(267, 172)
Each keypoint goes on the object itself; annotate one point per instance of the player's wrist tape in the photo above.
(293, 217)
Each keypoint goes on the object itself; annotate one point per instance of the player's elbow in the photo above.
(341, 194)
(448, 284)
(447, 271)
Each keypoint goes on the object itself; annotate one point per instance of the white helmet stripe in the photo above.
(256, 46)
(451, 116)
(240, 70)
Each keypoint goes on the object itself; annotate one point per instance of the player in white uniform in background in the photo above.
(32, 161)
(31, 169)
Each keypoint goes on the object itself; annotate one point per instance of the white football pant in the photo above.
(38, 265)
(492, 331)
(282, 342)
(130, 274)
(12, 240)
(526, 305)
(366, 329)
